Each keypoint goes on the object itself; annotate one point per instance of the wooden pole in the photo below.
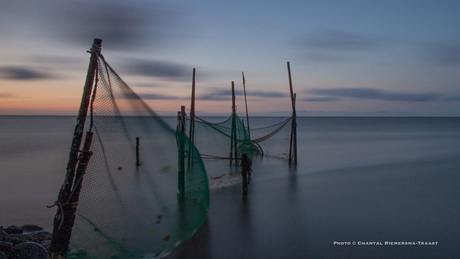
(138, 163)
(295, 133)
(293, 139)
(246, 103)
(181, 151)
(192, 121)
(192, 110)
(233, 140)
(65, 215)
(233, 98)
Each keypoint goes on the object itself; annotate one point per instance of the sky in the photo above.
(347, 57)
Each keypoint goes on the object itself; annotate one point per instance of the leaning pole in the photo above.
(67, 200)
(293, 139)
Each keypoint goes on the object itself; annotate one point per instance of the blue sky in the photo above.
(384, 58)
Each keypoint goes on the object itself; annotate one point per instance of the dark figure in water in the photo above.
(246, 171)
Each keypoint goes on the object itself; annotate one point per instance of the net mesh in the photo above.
(221, 145)
(129, 204)
(272, 140)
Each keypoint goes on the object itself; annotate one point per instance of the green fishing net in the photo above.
(134, 203)
(221, 145)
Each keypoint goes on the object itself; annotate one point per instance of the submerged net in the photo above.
(129, 209)
(221, 145)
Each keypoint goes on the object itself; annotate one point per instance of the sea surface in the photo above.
(379, 187)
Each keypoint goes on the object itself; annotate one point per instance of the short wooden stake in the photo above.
(137, 152)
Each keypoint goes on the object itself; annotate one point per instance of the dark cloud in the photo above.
(339, 41)
(149, 96)
(218, 95)
(210, 97)
(163, 69)
(157, 97)
(23, 73)
(120, 24)
(148, 85)
(373, 94)
(442, 53)
(339, 46)
(320, 99)
(226, 94)
(6, 95)
(50, 60)
(264, 94)
(452, 98)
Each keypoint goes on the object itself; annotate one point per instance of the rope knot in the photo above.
(61, 210)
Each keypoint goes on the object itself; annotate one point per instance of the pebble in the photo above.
(27, 241)
(30, 250)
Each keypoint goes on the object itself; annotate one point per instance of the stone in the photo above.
(3, 234)
(14, 240)
(46, 244)
(5, 246)
(23, 237)
(40, 236)
(30, 250)
(13, 230)
(30, 228)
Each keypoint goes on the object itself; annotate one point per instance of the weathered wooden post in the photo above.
(180, 136)
(293, 139)
(138, 163)
(192, 123)
(295, 132)
(76, 166)
(246, 103)
(233, 138)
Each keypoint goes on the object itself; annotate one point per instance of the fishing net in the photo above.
(221, 145)
(140, 200)
(272, 140)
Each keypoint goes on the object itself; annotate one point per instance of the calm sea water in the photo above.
(357, 180)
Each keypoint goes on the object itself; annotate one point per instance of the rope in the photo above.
(279, 123)
(95, 49)
(61, 210)
(72, 204)
(214, 127)
(83, 152)
(270, 134)
(208, 122)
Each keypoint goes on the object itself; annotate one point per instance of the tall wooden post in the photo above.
(180, 131)
(293, 139)
(246, 103)
(233, 139)
(68, 195)
(294, 148)
(192, 122)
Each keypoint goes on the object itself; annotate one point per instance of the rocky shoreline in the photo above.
(27, 241)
